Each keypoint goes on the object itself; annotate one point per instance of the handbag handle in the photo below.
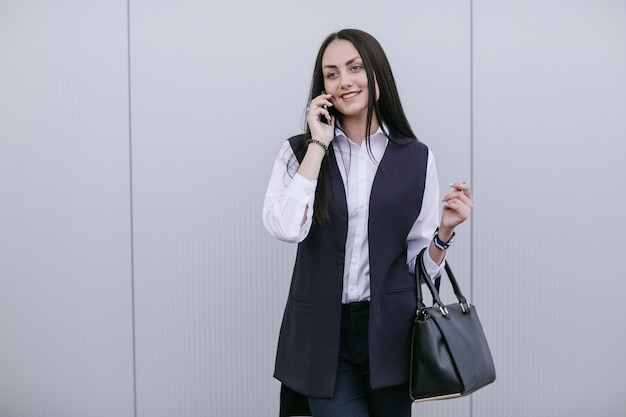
(421, 275)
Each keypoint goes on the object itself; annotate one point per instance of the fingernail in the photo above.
(451, 184)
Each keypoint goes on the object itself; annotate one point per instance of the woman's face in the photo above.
(345, 78)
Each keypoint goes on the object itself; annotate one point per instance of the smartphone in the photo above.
(323, 118)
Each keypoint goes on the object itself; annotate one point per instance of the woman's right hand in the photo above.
(318, 109)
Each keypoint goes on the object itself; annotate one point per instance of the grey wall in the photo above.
(65, 221)
(549, 142)
(136, 141)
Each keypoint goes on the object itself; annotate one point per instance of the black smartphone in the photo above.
(323, 118)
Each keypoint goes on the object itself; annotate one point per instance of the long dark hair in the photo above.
(387, 108)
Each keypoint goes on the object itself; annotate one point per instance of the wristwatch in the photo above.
(440, 243)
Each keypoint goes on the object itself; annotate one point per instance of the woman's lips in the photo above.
(349, 96)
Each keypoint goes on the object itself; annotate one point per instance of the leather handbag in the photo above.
(450, 356)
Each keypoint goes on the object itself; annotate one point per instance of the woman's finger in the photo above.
(463, 187)
(462, 192)
(319, 108)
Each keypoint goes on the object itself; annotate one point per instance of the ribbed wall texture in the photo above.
(136, 142)
(549, 143)
(65, 244)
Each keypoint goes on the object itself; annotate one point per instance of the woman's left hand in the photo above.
(457, 206)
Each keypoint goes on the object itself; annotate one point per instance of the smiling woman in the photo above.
(361, 199)
(360, 215)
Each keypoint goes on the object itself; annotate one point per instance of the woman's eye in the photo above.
(331, 75)
(356, 67)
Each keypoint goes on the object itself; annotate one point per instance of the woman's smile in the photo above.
(350, 96)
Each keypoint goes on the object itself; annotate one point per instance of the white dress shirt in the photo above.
(289, 195)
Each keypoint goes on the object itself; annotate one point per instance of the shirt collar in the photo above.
(377, 135)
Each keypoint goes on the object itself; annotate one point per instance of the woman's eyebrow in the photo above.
(347, 63)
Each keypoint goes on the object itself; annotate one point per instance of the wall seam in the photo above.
(471, 70)
(132, 225)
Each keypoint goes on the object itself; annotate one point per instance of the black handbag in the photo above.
(450, 356)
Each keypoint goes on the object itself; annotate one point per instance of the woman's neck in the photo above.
(354, 127)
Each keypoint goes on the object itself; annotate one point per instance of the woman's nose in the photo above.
(346, 81)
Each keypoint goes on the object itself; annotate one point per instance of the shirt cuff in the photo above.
(432, 269)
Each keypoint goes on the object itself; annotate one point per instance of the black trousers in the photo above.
(353, 395)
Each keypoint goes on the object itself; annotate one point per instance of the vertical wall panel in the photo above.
(65, 288)
(549, 107)
(216, 88)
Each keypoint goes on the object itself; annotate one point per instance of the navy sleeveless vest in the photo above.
(308, 345)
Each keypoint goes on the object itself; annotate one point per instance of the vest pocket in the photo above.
(300, 300)
(400, 291)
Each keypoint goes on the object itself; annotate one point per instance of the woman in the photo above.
(360, 195)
